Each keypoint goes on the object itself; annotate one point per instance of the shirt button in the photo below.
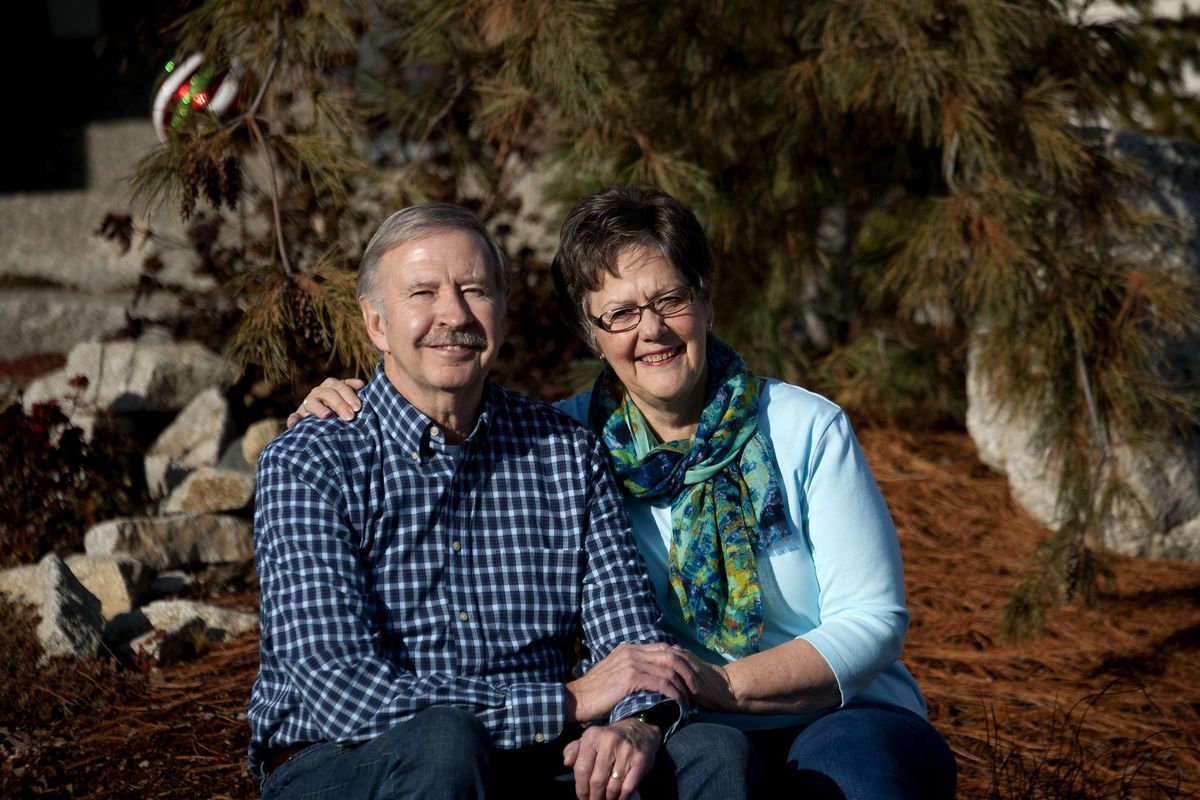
(464, 616)
(414, 455)
(434, 432)
(539, 737)
(456, 546)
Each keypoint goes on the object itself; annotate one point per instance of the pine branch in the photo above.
(252, 112)
(261, 337)
(334, 296)
(269, 158)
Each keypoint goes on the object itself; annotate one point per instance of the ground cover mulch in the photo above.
(1105, 705)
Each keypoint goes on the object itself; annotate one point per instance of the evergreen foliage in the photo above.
(290, 152)
(879, 178)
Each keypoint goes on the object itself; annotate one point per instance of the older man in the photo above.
(428, 569)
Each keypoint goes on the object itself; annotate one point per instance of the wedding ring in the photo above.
(617, 775)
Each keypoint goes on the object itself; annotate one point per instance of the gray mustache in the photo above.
(466, 337)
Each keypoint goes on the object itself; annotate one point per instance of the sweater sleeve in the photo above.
(863, 618)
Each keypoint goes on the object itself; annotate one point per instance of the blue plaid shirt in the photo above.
(398, 576)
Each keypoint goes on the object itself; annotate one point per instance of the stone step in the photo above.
(34, 321)
(50, 236)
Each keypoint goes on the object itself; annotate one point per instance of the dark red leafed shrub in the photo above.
(55, 484)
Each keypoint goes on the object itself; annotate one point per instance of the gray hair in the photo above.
(414, 222)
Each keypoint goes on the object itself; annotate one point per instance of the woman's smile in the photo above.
(660, 358)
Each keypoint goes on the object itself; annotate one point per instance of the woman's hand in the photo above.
(627, 669)
(611, 760)
(713, 691)
(333, 396)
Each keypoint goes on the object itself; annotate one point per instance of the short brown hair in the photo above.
(600, 228)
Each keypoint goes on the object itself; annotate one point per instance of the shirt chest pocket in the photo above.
(530, 512)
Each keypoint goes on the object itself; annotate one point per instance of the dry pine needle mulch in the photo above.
(1105, 705)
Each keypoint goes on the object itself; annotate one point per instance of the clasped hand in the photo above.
(610, 761)
(627, 669)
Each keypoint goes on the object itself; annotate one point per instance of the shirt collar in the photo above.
(410, 428)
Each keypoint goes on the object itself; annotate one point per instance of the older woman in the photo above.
(770, 549)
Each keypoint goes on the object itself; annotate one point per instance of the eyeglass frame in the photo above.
(691, 291)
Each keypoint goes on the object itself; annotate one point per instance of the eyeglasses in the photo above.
(626, 318)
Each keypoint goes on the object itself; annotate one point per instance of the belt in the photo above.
(277, 758)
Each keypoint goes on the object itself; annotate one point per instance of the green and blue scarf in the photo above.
(725, 489)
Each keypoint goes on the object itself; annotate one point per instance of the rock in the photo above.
(175, 625)
(21, 584)
(1172, 186)
(71, 623)
(1178, 543)
(223, 623)
(131, 376)
(211, 489)
(175, 541)
(36, 321)
(187, 642)
(1168, 490)
(232, 459)
(118, 582)
(1005, 443)
(192, 441)
(258, 436)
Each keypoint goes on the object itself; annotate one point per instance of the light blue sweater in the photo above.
(836, 582)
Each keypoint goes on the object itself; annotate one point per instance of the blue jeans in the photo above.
(862, 751)
(445, 752)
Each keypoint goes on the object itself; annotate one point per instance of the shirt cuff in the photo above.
(535, 714)
(638, 702)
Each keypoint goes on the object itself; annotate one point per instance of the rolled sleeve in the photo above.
(641, 702)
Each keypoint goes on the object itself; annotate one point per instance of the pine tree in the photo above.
(879, 178)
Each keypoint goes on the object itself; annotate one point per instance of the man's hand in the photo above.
(333, 396)
(611, 760)
(627, 669)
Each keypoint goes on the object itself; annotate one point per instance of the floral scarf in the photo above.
(725, 489)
